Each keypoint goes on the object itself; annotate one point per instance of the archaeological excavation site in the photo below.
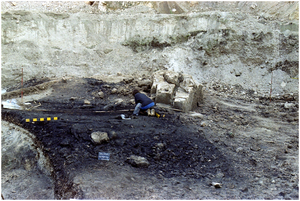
(223, 78)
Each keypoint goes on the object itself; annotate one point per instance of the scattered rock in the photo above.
(132, 101)
(216, 184)
(118, 101)
(253, 6)
(73, 98)
(159, 145)
(197, 115)
(203, 124)
(101, 94)
(137, 161)
(86, 102)
(288, 105)
(114, 90)
(99, 137)
(128, 80)
(106, 86)
(64, 80)
(239, 149)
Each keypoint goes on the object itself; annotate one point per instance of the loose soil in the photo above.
(249, 146)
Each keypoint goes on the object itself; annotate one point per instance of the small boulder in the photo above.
(99, 137)
(216, 184)
(114, 90)
(64, 79)
(159, 145)
(137, 161)
(86, 102)
(113, 135)
(101, 94)
(203, 124)
(118, 101)
(197, 115)
(288, 105)
(132, 101)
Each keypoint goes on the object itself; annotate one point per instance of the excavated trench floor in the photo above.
(228, 150)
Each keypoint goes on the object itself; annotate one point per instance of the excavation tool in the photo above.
(158, 115)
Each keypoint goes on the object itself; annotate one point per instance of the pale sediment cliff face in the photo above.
(231, 47)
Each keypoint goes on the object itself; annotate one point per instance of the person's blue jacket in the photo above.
(144, 100)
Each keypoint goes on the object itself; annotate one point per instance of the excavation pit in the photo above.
(63, 126)
(185, 153)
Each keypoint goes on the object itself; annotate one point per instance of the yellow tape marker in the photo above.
(42, 119)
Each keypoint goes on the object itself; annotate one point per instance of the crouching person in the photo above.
(144, 104)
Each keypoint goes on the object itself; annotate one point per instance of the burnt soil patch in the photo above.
(184, 150)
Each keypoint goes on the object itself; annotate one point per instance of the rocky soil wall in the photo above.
(247, 45)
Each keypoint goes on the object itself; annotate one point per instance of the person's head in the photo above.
(135, 92)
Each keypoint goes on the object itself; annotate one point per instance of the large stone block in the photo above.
(176, 89)
(187, 83)
(184, 100)
(157, 77)
(165, 93)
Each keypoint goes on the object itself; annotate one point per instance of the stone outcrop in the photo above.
(176, 89)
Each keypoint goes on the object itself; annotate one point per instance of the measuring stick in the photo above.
(22, 86)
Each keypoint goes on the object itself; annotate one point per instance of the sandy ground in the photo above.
(247, 144)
